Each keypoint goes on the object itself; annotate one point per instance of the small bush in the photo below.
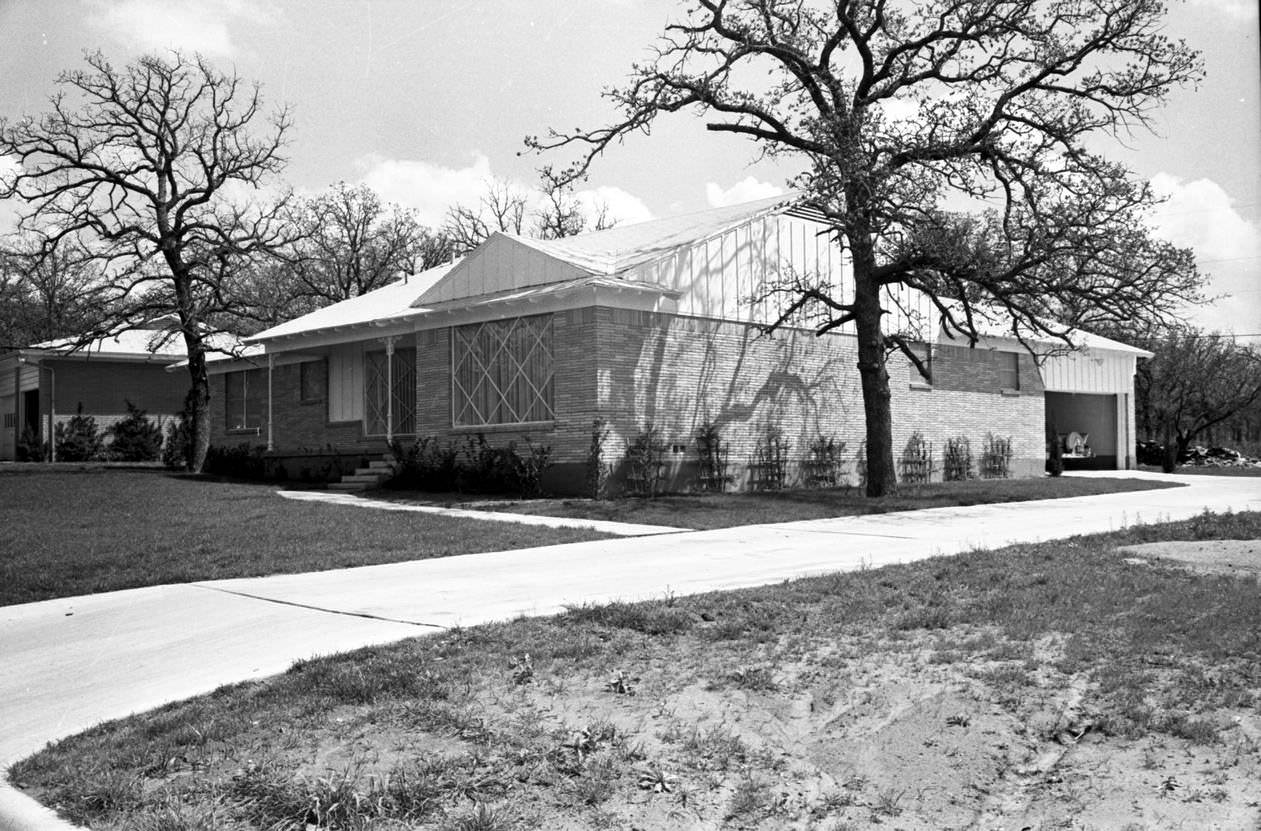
(135, 438)
(426, 465)
(823, 466)
(917, 460)
(177, 452)
(240, 462)
(1054, 451)
(79, 439)
(597, 476)
(645, 460)
(770, 460)
(30, 446)
(711, 457)
(996, 459)
(957, 460)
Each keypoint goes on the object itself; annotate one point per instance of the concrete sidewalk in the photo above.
(74, 662)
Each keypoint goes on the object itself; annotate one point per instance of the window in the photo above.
(924, 352)
(243, 400)
(1008, 370)
(501, 372)
(10, 420)
(312, 381)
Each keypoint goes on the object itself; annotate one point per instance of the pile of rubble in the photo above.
(1151, 453)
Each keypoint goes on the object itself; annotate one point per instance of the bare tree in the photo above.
(350, 243)
(153, 170)
(501, 208)
(1003, 97)
(1194, 381)
(506, 208)
(46, 296)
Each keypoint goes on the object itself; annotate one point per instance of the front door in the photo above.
(391, 392)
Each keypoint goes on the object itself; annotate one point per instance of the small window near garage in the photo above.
(312, 381)
(10, 420)
(242, 410)
(1008, 370)
(924, 352)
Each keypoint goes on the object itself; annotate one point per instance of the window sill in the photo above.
(921, 386)
(243, 431)
(307, 402)
(1009, 393)
(521, 427)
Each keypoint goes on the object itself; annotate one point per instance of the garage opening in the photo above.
(1085, 425)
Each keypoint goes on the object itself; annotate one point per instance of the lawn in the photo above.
(77, 532)
(1060, 685)
(707, 511)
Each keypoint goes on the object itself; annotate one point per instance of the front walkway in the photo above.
(71, 663)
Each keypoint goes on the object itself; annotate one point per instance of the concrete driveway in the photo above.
(71, 663)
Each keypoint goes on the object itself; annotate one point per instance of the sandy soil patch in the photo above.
(1241, 558)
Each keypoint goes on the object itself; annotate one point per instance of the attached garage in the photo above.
(1090, 403)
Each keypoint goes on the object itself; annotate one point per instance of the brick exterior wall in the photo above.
(677, 373)
(636, 368)
(300, 426)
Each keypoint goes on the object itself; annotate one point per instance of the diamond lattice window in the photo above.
(502, 372)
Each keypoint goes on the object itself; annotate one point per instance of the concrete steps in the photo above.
(377, 471)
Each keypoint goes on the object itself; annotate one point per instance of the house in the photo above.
(45, 385)
(654, 324)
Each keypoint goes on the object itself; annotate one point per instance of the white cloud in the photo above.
(427, 188)
(1199, 215)
(1237, 9)
(190, 25)
(746, 190)
(623, 207)
(431, 189)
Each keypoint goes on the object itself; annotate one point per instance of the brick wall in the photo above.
(299, 425)
(677, 373)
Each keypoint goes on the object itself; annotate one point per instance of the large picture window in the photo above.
(502, 372)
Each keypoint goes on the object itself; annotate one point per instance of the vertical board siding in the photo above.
(1094, 371)
(345, 383)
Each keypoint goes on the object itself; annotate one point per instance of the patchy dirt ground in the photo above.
(1240, 558)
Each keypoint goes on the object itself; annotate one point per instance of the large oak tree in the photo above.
(156, 172)
(951, 147)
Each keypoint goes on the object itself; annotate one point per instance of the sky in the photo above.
(426, 100)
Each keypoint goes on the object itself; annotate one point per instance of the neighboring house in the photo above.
(649, 324)
(46, 384)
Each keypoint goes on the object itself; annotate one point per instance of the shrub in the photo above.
(528, 468)
(917, 460)
(426, 465)
(996, 459)
(823, 465)
(957, 460)
(711, 456)
(135, 438)
(79, 440)
(770, 460)
(597, 475)
(486, 468)
(1054, 451)
(177, 453)
(30, 446)
(240, 462)
(645, 459)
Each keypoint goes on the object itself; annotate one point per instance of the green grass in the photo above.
(734, 509)
(77, 532)
(693, 710)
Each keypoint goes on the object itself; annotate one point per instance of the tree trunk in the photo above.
(877, 406)
(198, 402)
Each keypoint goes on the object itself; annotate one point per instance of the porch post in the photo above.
(389, 390)
(271, 365)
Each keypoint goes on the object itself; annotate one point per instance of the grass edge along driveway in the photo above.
(984, 686)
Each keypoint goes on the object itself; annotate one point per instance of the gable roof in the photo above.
(388, 302)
